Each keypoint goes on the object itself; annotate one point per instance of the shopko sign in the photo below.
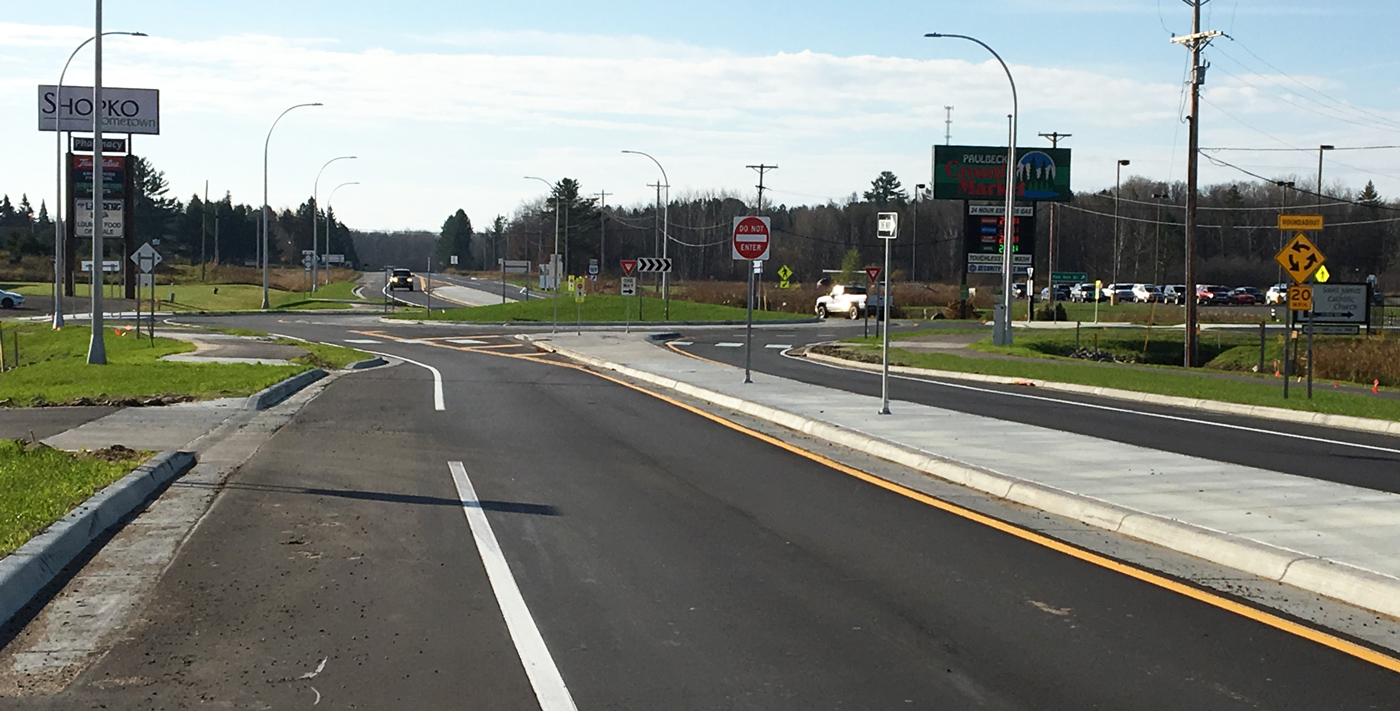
(123, 110)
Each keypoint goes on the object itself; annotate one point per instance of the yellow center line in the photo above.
(1327, 640)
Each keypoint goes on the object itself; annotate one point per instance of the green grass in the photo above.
(1162, 381)
(1142, 345)
(40, 486)
(325, 356)
(337, 291)
(1156, 314)
(53, 369)
(596, 308)
(874, 339)
(202, 297)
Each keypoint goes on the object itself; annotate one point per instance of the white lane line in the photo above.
(466, 342)
(1094, 406)
(412, 342)
(728, 344)
(783, 346)
(437, 377)
(544, 676)
(682, 343)
(367, 341)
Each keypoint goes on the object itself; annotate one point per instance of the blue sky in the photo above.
(449, 104)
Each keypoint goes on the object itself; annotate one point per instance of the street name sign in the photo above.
(1300, 258)
(751, 238)
(515, 266)
(1066, 277)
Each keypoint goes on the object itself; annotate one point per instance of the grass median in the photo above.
(215, 297)
(52, 369)
(596, 308)
(39, 485)
(1160, 380)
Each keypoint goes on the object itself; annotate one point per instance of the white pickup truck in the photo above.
(843, 299)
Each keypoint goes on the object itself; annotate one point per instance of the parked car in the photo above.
(1147, 293)
(1084, 292)
(1061, 292)
(1277, 294)
(845, 299)
(1212, 294)
(1246, 296)
(401, 279)
(1174, 294)
(10, 299)
(1118, 293)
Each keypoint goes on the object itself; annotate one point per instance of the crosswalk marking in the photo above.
(728, 344)
(466, 342)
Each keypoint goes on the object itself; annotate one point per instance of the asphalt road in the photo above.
(667, 562)
(1356, 458)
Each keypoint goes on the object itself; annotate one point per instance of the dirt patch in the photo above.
(146, 401)
(114, 453)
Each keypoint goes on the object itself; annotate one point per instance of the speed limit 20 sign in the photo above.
(751, 238)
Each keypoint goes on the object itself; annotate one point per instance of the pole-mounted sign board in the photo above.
(146, 258)
(83, 144)
(628, 266)
(653, 265)
(112, 218)
(979, 173)
(1300, 258)
(887, 225)
(751, 238)
(873, 273)
(1295, 223)
(123, 110)
(629, 286)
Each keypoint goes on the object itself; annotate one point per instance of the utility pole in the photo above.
(1054, 138)
(1196, 41)
(948, 126)
(761, 168)
(203, 229)
(602, 229)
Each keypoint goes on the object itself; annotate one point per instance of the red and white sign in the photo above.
(873, 273)
(751, 238)
(629, 266)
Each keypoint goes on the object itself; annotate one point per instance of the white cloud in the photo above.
(451, 128)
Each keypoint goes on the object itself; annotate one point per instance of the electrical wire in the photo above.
(1227, 164)
(1324, 95)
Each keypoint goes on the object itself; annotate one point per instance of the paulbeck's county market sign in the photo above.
(979, 173)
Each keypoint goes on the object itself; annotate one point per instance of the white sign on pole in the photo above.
(146, 258)
(887, 226)
(108, 265)
(1339, 303)
(112, 218)
(145, 281)
(629, 286)
(751, 238)
(123, 110)
(452, 258)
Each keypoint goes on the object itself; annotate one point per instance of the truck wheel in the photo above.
(854, 313)
(821, 310)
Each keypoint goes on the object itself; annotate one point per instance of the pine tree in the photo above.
(456, 240)
(1369, 196)
(885, 190)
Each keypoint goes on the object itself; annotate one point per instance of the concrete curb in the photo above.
(34, 565)
(1346, 422)
(636, 325)
(281, 391)
(369, 363)
(1355, 586)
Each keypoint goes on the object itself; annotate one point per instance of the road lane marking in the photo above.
(367, 341)
(544, 675)
(728, 344)
(466, 342)
(438, 403)
(1109, 408)
(681, 343)
(1277, 622)
(783, 346)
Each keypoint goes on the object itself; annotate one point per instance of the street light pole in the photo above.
(554, 259)
(1320, 149)
(1003, 325)
(316, 207)
(330, 224)
(665, 233)
(914, 240)
(1117, 246)
(58, 251)
(266, 143)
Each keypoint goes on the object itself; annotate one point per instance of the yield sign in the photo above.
(873, 273)
(146, 258)
(1300, 258)
(629, 266)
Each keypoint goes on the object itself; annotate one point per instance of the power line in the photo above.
(1304, 191)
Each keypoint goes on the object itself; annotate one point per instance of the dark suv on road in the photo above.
(401, 279)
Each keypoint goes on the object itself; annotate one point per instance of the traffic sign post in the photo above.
(784, 274)
(576, 285)
(146, 258)
(1300, 298)
(749, 241)
(1300, 258)
(628, 287)
(887, 229)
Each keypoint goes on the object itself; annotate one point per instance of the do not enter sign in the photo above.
(751, 238)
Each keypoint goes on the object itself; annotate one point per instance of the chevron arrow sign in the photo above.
(655, 265)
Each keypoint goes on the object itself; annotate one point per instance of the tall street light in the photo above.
(58, 251)
(665, 232)
(316, 207)
(1002, 331)
(330, 224)
(1117, 245)
(554, 259)
(266, 143)
(914, 241)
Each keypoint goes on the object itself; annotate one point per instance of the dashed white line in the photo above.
(682, 343)
(362, 340)
(544, 675)
(783, 346)
(728, 344)
(466, 342)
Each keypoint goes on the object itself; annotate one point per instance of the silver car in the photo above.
(11, 300)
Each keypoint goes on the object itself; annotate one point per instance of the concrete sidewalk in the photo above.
(1330, 539)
